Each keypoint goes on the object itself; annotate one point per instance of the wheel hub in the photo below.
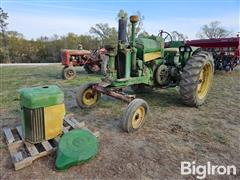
(89, 97)
(70, 73)
(204, 81)
(138, 117)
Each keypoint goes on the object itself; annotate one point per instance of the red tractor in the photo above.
(90, 60)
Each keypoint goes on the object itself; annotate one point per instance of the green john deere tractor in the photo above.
(145, 62)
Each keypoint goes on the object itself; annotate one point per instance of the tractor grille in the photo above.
(34, 124)
(120, 64)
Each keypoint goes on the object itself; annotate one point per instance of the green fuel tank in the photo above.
(149, 48)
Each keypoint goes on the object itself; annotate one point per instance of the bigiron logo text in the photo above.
(201, 171)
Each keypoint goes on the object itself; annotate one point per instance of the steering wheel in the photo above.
(166, 36)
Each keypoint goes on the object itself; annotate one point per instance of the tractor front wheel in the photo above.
(86, 96)
(68, 73)
(134, 115)
(196, 79)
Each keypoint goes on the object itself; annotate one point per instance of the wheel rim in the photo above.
(69, 73)
(163, 76)
(138, 117)
(89, 97)
(204, 81)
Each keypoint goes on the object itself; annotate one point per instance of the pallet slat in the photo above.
(78, 124)
(18, 156)
(47, 145)
(65, 129)
(73, 122)
(8, 134)
(19, 130)
(70, 123)
(31, 149)
(94, 133)
(24, 163)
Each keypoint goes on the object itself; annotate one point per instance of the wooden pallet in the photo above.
(23, 153)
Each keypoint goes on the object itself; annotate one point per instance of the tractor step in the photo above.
(24, 153)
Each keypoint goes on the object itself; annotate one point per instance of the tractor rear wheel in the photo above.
(86, 96)
(134, 115)
(68, 73)
(196, 79)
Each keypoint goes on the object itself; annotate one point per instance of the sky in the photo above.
(35, 18)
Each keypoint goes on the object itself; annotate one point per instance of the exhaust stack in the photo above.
(133, 20)
(122, 30)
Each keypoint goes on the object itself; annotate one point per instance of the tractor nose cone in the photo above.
(133, 19)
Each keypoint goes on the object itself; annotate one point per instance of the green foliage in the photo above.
(3, 20)
(4, 54)
(16, 49)
(44, 49)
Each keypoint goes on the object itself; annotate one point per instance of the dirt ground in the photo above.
(171, 134)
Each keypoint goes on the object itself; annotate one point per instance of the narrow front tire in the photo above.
(68, 73)
(134, 116)
(86, 96)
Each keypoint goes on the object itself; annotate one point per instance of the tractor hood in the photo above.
(149, 48)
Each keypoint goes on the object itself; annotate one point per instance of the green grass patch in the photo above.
(14, 78)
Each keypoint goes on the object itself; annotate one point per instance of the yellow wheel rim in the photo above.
(138, 117)
(89, 97)
(205, 80)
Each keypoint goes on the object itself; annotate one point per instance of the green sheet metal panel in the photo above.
(42, 96)
(76, 147)
(176, 44)
(170, 53)
(149, 45)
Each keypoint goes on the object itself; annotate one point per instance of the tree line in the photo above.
(43, 49)
(14, 48)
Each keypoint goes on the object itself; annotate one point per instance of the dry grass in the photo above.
(172, 132)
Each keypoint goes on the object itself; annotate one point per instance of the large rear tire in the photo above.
(196, 79)
(86, 96)
(134, 116)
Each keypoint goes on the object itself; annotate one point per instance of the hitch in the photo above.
(114, 94)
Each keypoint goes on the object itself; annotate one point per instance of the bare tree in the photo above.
(3, 27)
(122, 14)
(108, 35)
(143, 34)
(213, 30)
(177, 36)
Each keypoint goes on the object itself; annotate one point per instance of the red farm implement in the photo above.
(225, 51)
(90, 60)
